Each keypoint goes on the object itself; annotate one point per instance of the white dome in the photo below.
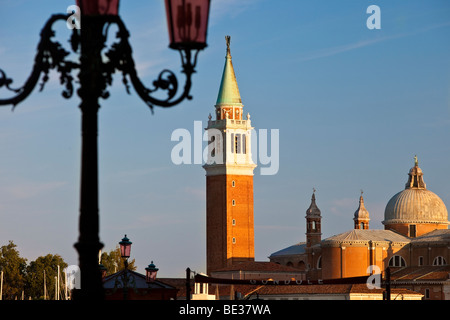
(415, 204)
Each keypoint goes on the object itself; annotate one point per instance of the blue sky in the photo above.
(352, 106)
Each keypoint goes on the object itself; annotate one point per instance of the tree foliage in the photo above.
(42, 273)
(18, 277)
(31, 279)
(14, 268)
(113, 262)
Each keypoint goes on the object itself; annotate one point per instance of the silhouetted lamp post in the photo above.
(187, 24)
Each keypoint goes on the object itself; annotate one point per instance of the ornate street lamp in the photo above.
(150, 273)
(187, 21)
(125, 248)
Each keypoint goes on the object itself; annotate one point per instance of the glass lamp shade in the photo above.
(103, 270)
(98, 7)
(187, 22)
(150, 272)
(125, 247)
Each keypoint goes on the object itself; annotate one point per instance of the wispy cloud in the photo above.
(229, 8)
(327, 52)
(344, 206)
(29, 189)
(196, 193)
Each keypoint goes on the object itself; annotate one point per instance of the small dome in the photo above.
(313, 210)
(361, 213)
(415, 204)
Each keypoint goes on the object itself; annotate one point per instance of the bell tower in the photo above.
(313, 223)
(229, 177)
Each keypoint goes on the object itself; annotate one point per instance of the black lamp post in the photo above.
(187, 23)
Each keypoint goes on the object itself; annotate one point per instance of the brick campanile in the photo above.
(229, 178)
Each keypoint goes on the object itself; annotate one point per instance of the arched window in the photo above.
(319, 263)
(439, 261)
(237, 142)
(397, 261)
(301, 265)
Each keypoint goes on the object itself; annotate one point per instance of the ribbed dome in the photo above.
(415, 204)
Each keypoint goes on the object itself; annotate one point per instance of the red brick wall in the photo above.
(227, 220)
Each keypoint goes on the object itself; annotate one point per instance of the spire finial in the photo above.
(416, 162)
(228, 40)
(313, 197)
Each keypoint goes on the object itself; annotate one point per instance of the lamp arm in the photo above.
(120, 56)
(50, 55)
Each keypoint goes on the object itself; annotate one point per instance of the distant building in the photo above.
(136, 287)
(416, 239)
(414, 244)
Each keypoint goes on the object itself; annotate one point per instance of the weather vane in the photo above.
(228, 40)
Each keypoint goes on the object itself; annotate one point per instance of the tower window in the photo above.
(233, 183)
(244, 143)
(232, 141)
(233, 202)
(234, 240)
(233, 222)
(237, 143)
(420, 261)
(213, 151)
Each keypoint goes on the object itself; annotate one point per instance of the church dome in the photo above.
(415, 204)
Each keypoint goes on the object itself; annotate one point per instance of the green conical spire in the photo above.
(229, 91)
